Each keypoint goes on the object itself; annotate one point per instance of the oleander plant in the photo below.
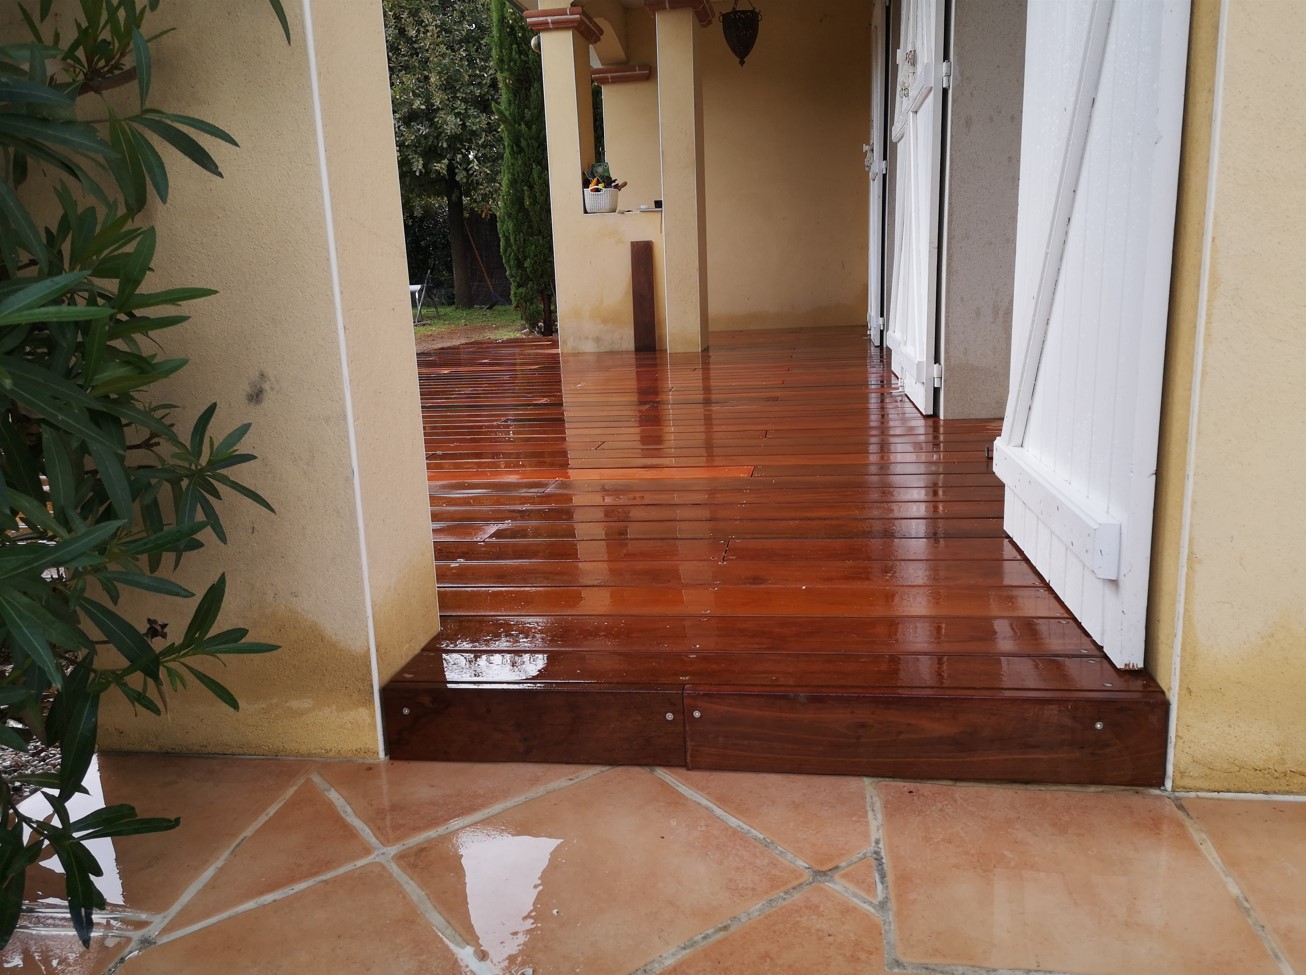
(102, 491)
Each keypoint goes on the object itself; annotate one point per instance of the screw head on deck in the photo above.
(698, 714)
(1098, 725)
(670, 716)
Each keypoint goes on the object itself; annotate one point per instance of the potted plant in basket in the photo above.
(600, 189)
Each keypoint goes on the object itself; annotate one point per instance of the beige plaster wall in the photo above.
(1241, 640)
(630, 119)
(268, 349)
(786, 189)
(982, 182)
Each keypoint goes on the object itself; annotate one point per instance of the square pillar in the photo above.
(565, 37)
(680, 127)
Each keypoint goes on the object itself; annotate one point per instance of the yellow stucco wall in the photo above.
(1231, 549)
(268, 349)
(630, 119)
(786, 189)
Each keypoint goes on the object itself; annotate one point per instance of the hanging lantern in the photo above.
(740, 28)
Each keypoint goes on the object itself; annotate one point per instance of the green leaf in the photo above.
(152, 163)
(281, 16)
(22, 223)
(39, 291)
(57, 400)
(58, 469)
(206, 613)
(57, 313)
(77, 741)
(180, 141)
(217, 689)
(230, 440)
(75, 546)
(128, 641)
(12, 739)
(15, 608)
(244, 491)
(111, 468)
(141, 52)
(22, 91)
(211, 515)
(173, 296)
(76, 137)
(135, 827)
(178, 538)
(199, 430)
(146, 582)
(198, 124)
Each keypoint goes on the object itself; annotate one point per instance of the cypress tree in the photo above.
(525, 224)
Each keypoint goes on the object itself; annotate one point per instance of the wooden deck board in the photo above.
(767, 536)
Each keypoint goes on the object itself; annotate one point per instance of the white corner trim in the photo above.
(334, 259)
(1194, 403)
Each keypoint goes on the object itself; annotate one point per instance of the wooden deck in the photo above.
(762, 558)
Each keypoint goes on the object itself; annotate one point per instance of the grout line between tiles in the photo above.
(144, 939)
(1198, 832)
(893, 962)
(730, 820)
(265, 899)
(472, 818)
(681, 951)
(465, 952)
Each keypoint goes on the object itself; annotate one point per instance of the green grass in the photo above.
(437, 319)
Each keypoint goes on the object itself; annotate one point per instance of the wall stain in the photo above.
(259, 387)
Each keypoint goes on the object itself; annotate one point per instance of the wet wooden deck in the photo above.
(762, 558)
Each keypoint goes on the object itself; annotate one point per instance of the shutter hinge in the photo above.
(938, 374)
(947, 74)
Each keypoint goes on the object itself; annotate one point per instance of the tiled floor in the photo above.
(301, 867)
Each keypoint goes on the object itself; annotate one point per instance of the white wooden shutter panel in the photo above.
(1103, 111)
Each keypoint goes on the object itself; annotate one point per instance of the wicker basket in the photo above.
(600, 200)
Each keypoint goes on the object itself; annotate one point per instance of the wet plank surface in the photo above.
(770, 516)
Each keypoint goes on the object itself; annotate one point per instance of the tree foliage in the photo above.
(98, 484)
(525, 224)
(443, 90)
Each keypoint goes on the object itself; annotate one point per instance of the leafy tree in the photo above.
(98, 484)
(525, 224)
(443, 89)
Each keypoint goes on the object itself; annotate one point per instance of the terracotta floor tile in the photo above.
(305, 838)
(399, 800)
(818, 931)
(42, 952)
(1263, 844)
(216, 799)
(360, 923)
(861, 878)
(1069, 881)
(600, 877)
(820, 818)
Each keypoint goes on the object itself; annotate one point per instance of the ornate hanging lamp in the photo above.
(740, 28)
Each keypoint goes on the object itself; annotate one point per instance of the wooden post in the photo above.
(641, 295)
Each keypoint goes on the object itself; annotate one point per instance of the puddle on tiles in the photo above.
(503, 875)
(80, 805)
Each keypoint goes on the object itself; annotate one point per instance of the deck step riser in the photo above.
(1027, 738)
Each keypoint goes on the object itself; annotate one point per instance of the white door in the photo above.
(917, 130)
(1104, 89)
(876, 167)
